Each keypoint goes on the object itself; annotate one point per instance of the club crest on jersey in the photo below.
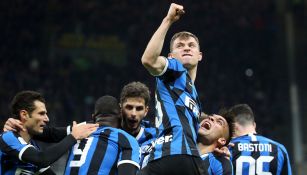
(191, 104)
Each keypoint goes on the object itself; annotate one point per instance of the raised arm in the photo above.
(151, 58)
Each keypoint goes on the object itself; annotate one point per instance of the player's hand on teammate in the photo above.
(81, 131)
(13, 125)
(224, 151)
(174, 13)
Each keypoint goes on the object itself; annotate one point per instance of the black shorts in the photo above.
(175, 165)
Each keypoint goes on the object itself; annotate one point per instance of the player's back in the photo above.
(103, 152)
(255, 154)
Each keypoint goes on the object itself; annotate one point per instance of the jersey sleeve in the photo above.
(173, 67)
(53, 134)
(284, 161)
(51, 154)
(129, 150)
(12, 145)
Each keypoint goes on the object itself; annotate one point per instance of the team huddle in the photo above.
(182, 141)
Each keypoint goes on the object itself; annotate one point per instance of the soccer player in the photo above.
(134, 102)
(109, 150)
(177, 103)
(19, 153)
(253, 153)
(214, 132)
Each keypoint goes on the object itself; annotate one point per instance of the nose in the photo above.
(133, 112)
(211, 118)
(46, 119)
(187, 48)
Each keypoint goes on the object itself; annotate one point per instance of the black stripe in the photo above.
(236, 154)
(75, 170)
(255, 154)
(226, 165)
(125, 146)
(100, 152)
(274, 163)
(186, 128)
(206, 163)
(285, 165)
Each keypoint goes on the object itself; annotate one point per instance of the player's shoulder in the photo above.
(8, 135)
(273, 142)
(148, 126)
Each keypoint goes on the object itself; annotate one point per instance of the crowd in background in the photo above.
(241, 62)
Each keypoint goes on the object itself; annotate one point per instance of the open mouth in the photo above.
(133, 122)
(206, 125)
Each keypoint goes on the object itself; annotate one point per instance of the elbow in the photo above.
(145, 61)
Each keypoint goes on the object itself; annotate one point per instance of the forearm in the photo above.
(52, 134)
(150, 58)
(50, 155)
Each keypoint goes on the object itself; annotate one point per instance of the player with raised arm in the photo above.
(177, 103)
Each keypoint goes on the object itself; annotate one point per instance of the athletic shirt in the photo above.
(12, 148)
(217, 165)
(146, 139)
(255, 154)
(103, 152)
(177, 112)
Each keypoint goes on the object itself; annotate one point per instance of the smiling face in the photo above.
(133, 111)
(186, 50)
(37, 119)
(213, 129)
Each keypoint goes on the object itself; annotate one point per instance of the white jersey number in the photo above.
(77, 150)
(159, 113)
(255, 166)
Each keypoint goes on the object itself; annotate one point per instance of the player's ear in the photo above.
(24, 115)
(200, 56)
(146, 110)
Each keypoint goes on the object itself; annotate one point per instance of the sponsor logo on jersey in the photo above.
(192, 105)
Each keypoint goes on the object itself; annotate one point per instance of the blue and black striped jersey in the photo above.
(177, 112)
(12, 148)
(255, 154)
(103, 152)
(217, 165)
(146, 139)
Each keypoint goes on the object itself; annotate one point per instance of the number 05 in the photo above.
(255, 166)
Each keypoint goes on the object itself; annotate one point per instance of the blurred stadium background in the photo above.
(255, 52)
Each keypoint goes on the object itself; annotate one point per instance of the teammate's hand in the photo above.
(224, 151)
(81, 131)
(13, 125)
(174, 13)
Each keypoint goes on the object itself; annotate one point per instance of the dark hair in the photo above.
(182, 35)
(107, 111)
(241, 114)
(24, 100)
(135, 89)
